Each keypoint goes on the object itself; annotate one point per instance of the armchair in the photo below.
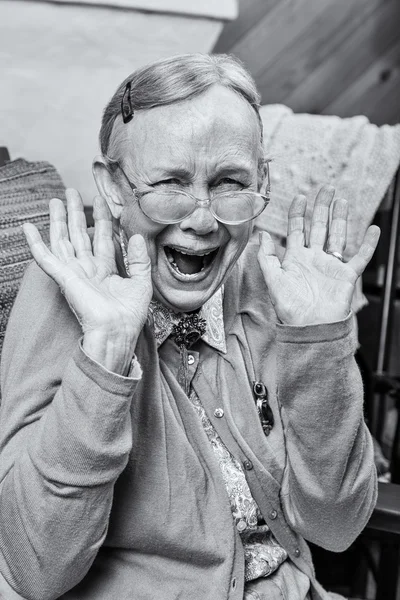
(384, 525)
(25, 191)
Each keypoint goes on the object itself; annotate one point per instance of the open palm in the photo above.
(86, 271)
(311, 285)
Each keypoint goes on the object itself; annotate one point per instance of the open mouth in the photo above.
(186, 263)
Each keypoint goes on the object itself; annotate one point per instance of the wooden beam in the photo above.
(221, 10)
(318, 42)
(286, 21)
(250, 13)
(375, 93)
(352, 58)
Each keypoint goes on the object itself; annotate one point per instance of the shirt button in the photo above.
(297, 552)
(234, 583)
(219, 413)
(273, 514)
(248, 465)
(190, 359)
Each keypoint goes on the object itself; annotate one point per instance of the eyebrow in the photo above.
(183, 173)
(233, 170)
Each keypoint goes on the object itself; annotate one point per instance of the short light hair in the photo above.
(172, 80)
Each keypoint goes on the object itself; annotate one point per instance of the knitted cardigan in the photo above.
(109, 487)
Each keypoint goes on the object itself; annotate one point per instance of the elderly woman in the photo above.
(181, 408)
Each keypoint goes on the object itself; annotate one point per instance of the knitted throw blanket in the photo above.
(358, 158)
(25, 191)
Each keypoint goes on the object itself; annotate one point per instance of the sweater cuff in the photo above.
(135, 371)
(105, 379)
(85, 436)
(311, 334)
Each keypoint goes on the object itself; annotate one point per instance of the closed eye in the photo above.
(228, 183)
(172, 181)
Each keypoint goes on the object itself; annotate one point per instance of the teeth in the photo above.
(175, 266)
(199, 254)
(185, 275)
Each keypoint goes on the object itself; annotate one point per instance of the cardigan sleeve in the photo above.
(329, 482)
(65, 436)
(329, 486)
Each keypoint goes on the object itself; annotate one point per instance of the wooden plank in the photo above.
(250, 13)
(386, 516)
(351, 59)
(312, 48)
(375, 93)
(285, 22)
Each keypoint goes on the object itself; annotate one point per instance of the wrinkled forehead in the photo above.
(218, 125)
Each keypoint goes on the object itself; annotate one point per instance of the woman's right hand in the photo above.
(111, 309)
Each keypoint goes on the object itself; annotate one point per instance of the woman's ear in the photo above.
(107, 186)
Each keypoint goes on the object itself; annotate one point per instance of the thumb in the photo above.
(138, 258)
(267, 259)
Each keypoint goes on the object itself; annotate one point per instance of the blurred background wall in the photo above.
(337, 57)
(61, 61)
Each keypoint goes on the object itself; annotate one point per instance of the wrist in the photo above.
(114, 351)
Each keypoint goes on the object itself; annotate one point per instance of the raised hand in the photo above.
(310, 285)
(111, 309)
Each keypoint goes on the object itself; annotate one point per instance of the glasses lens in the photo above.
(238, 207)
(166, 207)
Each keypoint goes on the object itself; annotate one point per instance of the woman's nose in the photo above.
(201, 221)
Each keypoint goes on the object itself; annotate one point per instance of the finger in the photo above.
(103, 245)
(320, 217)
(77, 227)
(138, 258)
(59, 238)
(46, 260)
(367, 249)
(296, 222)
(267, 259)
(338, 228)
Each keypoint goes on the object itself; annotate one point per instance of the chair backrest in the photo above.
(25, 191)
(387, 383)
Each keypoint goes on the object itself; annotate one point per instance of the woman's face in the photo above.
(205, 144)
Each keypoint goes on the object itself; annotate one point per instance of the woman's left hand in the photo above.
(310, 285)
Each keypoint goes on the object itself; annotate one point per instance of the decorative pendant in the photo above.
(186, 333)
(189, 330)
(264, 410)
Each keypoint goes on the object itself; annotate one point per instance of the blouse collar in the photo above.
(163, 319)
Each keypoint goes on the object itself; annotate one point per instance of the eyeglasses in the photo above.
(231, 207)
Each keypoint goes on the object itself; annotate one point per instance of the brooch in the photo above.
(189, 330)
(186, 333)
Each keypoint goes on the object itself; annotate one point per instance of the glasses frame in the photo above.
(204, 203)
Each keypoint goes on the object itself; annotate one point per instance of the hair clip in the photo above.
(126, 104)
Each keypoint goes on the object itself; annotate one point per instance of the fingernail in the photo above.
(260, 236)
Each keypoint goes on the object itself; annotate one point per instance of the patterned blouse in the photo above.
(263, 554)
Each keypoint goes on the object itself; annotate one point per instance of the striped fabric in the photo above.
(25, 191)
